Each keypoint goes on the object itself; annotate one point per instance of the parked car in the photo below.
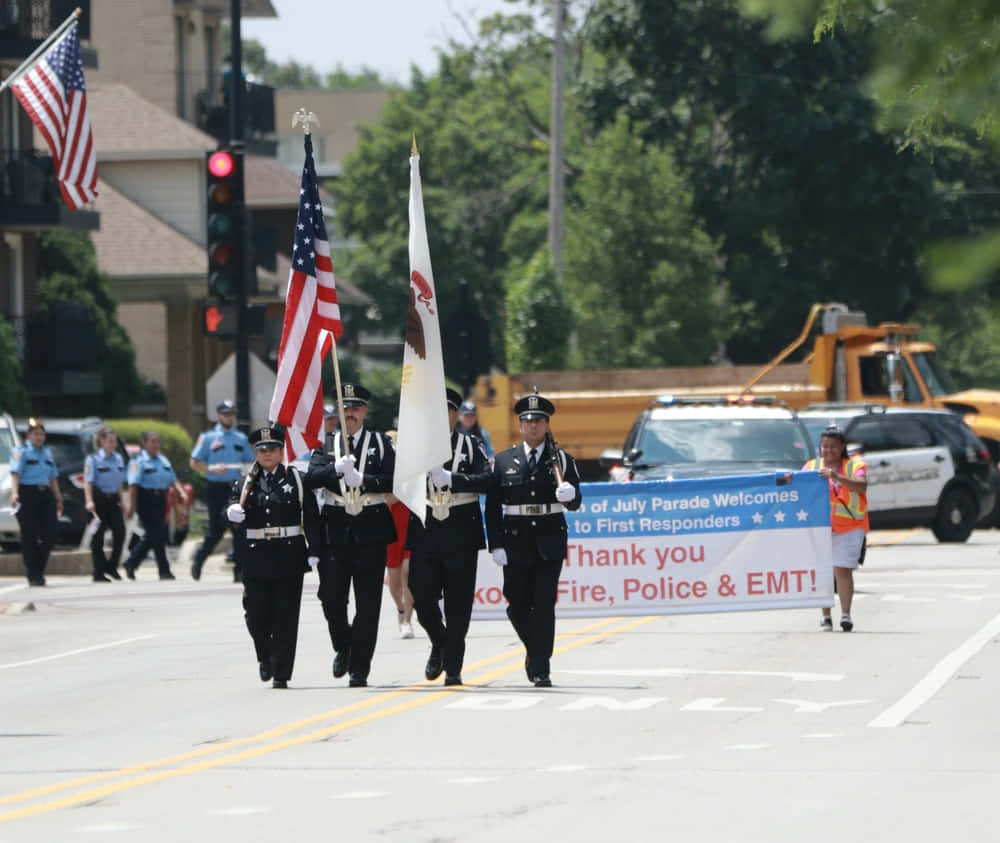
(70, 440)
(10, 530)
(695, 436)
(926, 468)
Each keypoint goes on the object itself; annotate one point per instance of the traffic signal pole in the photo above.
(242, 345)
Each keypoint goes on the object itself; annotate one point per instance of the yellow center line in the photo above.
(279, 731)
(896, 539)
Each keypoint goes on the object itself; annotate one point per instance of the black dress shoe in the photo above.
(358, 682)
(195, 571)
(435, 663)
(543, 682)
(113, 573)
(279, 683)
(166, 575)
(100, 578)
(265, 671)
(453, 679)
(36, 581)
(340, 663)
(130, 571)
(527, 669)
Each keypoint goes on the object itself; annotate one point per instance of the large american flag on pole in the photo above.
(52, 92)
(312, 323)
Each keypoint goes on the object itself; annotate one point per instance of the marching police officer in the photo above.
(282, 533)
(150, 475)
(533, 484)
(103, 482)
(355, 476)
(219, 454)
(35, 497)
(330, 425)
(443, 550)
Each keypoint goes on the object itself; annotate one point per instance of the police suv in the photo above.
(681, 436)
(926, 468)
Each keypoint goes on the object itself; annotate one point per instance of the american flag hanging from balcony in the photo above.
(53, 93)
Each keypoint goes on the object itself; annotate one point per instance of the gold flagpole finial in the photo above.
(307, 119)
(413, 148)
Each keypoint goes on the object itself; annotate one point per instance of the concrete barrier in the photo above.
(60, 562)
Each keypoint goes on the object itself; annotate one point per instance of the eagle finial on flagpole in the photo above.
(413, 147)
(307, 119)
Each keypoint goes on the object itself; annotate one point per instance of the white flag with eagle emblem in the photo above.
(423, 439)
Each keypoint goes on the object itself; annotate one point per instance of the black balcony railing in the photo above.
(28, 180)
(33, 20)
(258, 111)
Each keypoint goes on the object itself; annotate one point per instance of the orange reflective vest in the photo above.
(848, 510)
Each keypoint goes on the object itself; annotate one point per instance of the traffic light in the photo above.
(221, 319)
(224, 219)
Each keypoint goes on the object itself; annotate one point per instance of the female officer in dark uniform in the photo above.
(526, 530)
(282, 525)
(150, 475)
(35, 497)
(103, 479)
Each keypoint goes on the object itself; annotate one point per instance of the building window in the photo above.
(180, 48)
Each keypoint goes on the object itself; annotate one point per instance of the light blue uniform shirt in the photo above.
(149, 472)
(220, 445)
(35, 465)
(107, 473)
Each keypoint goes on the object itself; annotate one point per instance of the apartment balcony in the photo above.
(25, 24)
(30, 199)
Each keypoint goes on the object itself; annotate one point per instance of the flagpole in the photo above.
(66, 24)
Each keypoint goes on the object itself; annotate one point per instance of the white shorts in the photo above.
(847, 548)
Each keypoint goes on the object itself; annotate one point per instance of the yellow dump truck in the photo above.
(849, 361)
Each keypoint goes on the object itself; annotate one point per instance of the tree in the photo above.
(13, 398)
(539, 321)
(67, 272)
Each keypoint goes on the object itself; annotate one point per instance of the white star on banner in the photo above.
(779, 516)
(758, 518)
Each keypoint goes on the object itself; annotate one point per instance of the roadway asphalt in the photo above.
(132, 711)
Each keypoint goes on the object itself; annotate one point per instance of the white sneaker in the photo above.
(405, 630)
(846, 623)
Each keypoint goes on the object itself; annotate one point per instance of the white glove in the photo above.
(500, 557)
(236, 513)
(353, 478)
(313, 561)
(343, 463)
(565, 492)
(440, 477)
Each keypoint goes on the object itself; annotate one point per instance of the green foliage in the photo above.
(641, 272)
(67, 271)
(539, 321)
(299, 76)
(965, 327)
(13, 398)
(175, 442)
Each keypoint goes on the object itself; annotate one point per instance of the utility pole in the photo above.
(236, 142)
(556, 177)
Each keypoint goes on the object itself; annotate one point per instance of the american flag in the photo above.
(311, 316)
(53, 94)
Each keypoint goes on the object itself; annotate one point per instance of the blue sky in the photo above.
(386, 35)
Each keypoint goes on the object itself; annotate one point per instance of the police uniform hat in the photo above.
(354, 395)
(273, 435)
(34, 423)
(226, 406)
(454, 399)
(467, 407)
(329, 411)
(534, 406)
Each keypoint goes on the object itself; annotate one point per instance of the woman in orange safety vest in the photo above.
(848, 480)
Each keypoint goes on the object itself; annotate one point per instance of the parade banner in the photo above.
(720, 544)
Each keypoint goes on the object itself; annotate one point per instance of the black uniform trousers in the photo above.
(453, 575)
(362, 565)
(271, 609)
(216, 501)
(38, 520)
(531, 590)
(151, 505)
(107, 507)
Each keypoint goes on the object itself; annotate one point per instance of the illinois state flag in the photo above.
(423, 439)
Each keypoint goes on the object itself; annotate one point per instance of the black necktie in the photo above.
(532, 460)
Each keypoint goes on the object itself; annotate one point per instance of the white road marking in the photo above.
(13, 588)
(938, 676)
(362, 794)
(240, 811)
(902, 598)
(673, 757)
(563, 768)
(472, 780)
(712, 704)
(824, 735)
(493, 702)
(798, 676)
(911, 584)
(77, 652)
(748, 746)
(106, 828)
(808, 707)
(611, 704)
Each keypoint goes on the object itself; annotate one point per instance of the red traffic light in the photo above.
(221, 164)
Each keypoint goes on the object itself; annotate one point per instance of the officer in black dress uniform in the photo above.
(526, 530)
(282, 535)
(357, 526)
(444, 548)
